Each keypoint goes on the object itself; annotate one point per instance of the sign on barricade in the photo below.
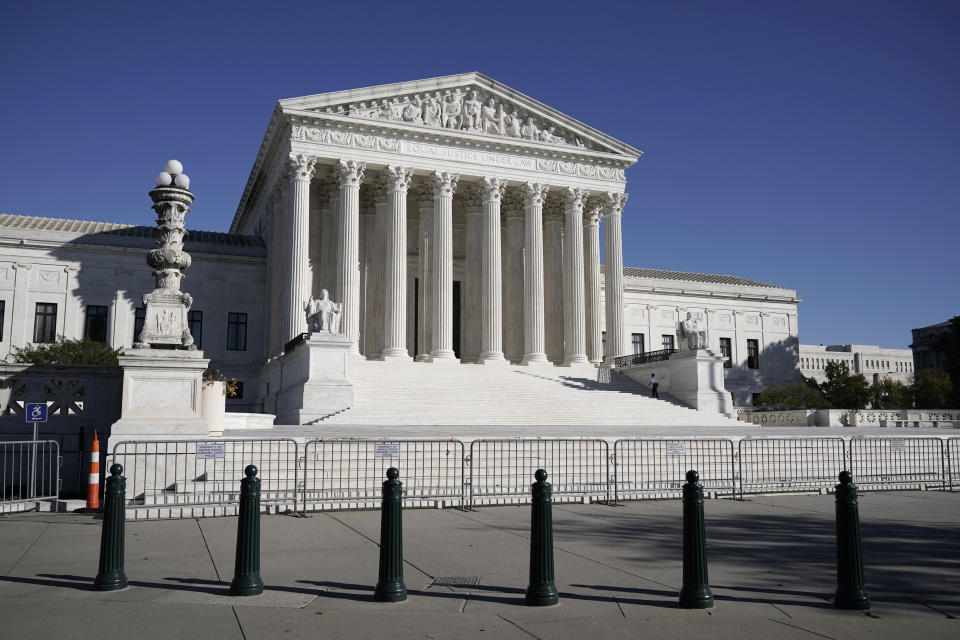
(879, 463)
(505, 468)
(789, 464)
(646, 468)
(341, 473)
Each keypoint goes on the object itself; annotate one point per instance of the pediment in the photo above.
(468, 103)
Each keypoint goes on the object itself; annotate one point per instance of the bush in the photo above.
(68, 351)
(891, 394)
(790, 395)
(932, 389)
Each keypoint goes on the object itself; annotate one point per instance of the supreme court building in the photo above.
(456, 220)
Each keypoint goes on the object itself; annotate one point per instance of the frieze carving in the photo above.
(471, 110)
(354, 140)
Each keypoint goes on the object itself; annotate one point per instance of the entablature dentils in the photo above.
(786, 297)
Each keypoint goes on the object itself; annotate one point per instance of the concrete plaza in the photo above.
(618, 570)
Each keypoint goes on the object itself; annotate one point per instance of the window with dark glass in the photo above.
(195, 321)
(238, 391)
(3, 316)
(726, 350)
(667, 342)
(236, 331)
(753, 354)
(95, 324)
(637, 340)
(603, 344)
(45, 322)
(139, 318)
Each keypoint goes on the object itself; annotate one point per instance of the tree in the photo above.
(949, 343)
(845, 391)
(932, 389)
(891, 394)
(791, 395)
(68, 351)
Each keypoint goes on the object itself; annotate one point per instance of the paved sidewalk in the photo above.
(618, 570)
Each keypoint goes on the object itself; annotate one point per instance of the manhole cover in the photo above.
(456, 581)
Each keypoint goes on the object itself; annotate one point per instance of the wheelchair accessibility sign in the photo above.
(36, 412)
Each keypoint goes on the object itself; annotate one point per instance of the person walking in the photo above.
(654, 383)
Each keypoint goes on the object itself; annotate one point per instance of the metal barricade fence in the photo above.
(185, 473)
(505, 468)
(353, 471)
(769, 465)
(646, 468)
(953, 462)
(29, 470)
(897, 463)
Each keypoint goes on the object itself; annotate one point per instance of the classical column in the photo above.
(369, 306)
(472, 198)
(513, 277)
(576, 332)
(553, 278)
(350, 174)
(329, 236)
(534, 349)
(297, 286)
(491, 279)
(424, 196)
(444, 184)
(378, 264)
(591, 259)
(395, 258)
(613, 283)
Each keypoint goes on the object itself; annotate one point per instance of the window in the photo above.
(637, 339)
(238, 391)
(603, 344)
(139, 318)
(726, 351)
(95, 326)
(236, 331)
(755, 397)
(3, 314)
(667, 342)
(195, 322)
(45, 322)
(753, 354)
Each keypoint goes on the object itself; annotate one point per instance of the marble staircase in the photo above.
(414, 393)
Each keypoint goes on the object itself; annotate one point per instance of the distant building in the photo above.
(871, 361)
(927, 352)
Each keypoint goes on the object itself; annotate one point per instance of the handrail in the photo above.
(643, 358)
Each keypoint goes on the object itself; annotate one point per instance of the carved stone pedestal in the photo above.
(694, 377)
(161, 396)
(309, 381)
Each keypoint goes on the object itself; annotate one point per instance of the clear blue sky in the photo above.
(808, 144)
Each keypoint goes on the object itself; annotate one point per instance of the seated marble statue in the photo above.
(694, 330)
(323, 314)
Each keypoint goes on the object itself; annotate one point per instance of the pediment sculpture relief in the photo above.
(471, 110)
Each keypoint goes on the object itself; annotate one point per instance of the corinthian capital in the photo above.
(534, 193)
(613, 203)
(493, 188)
(423, 193)
(302, 166)
(445, 183)
(513, 201)
(591, 211)
(398, 178)
(350, 172)
(471, 195)
(575, 198)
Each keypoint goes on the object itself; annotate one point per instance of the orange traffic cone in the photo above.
(93, 489)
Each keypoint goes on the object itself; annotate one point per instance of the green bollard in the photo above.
(695, 593)
(111, 577)
(542, 591)
(390, 587)
(850, 592)
(246, 574)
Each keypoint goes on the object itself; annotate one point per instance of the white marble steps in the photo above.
(452, 394)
